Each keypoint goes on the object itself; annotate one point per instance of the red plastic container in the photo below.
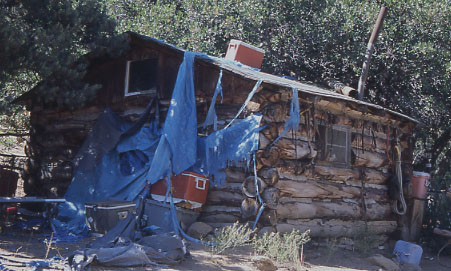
(420, 183)
(245, 53)
(187, 186)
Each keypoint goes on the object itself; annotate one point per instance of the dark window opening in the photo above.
(141, 76)
(334, 144)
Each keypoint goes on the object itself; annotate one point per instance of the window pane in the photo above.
(338, 138)
(143, 75)
(338, 154)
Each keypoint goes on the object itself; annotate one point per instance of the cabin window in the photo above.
(141, 77)
(334, 144)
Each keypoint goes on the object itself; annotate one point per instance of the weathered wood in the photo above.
(221, 209)
(249, 207)
(416, 221)
(367, 159)
(225, 197)
(263, 142)
(248, 186)
(234, 175)
(373, 176)
(275, 112)
(253, 106)
(269, 157)
(219, 218)
(325, 190)
(327, 209)
(370, 143)
(295, 149)
(336, 174)
(336, 228)
(271, 197)
(268, 217)
(271, 131)
(269, 175)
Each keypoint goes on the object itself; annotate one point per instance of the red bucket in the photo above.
(420, 183)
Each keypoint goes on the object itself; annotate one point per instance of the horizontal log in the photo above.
(336, 228)
(370, 143)
(234, 175)
(295, 149)
(301, 134)
(324, 209)
(340, 108)
(293, 170)
(225, 197)
(325, 190)
(373, 176)
(220, 209)
(219, 218)
(367, 159)
(336, 174)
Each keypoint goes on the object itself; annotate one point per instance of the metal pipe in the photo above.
(369, 52)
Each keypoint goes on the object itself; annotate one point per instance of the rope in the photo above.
(398, 173)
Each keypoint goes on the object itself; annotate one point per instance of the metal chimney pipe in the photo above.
(369, 52)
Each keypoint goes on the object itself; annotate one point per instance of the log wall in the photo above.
(302, 190)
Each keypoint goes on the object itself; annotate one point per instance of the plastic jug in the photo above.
(407, 252)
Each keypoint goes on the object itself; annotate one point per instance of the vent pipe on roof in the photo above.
(369, 52)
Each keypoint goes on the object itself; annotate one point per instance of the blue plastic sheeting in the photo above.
(293, 122)
(231, 145)
(178, 144)
(212, 118)
(105, 180)
(120, 158)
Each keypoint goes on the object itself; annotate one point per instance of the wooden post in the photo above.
(416, 220)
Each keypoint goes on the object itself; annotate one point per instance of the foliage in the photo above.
(310, 40)
(437, 213)
(282, 248)
(43, 41)
(316, 40)
(232, 236)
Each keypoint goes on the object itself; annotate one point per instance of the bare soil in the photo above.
(18, 249)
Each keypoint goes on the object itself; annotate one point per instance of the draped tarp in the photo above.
(119, 158)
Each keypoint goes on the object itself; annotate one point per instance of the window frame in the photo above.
(127, 80)
(329, 129)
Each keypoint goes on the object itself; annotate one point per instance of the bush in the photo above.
(232, 236)
(282, 248)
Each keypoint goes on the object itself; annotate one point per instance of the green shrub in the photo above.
(232, 236)
(282, 248)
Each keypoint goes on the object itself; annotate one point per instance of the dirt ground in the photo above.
(17, 249)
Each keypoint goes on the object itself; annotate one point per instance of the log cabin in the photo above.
(332, 175)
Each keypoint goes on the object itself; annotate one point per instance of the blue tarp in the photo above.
(119, 158)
